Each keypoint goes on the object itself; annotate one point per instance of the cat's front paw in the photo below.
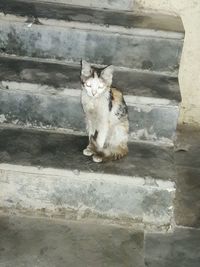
(97, 158)
(87, 152)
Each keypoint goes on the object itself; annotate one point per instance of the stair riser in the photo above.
(86, 195)
(141, 52)
(61, 76)
(106, 17)
(147, 122)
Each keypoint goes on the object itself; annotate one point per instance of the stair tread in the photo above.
(82, 14)
(49, 242)
(135, 49)
(131, 82)
(20, 146)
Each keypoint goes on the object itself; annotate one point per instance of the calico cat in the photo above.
(106, 114)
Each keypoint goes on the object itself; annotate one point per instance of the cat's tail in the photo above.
(109, 154)
(115, 153)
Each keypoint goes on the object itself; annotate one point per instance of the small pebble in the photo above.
(76, 172)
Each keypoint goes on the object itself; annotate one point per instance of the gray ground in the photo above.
(31, 242)
(40, 242)
(180, 249)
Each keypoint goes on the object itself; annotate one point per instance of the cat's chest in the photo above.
(91, 107)
(94, 106)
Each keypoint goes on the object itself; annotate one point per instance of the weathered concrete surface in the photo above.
(39, 110)
(190, 63)
(57, 150)
(139, 51)
(110, 4)
(48, 10)
(136, 189)
(40, 106)
(39, 242)
(187, 160)
(177, 249)
(131, 82)
(26, 241)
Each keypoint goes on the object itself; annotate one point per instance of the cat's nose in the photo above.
(94, 93)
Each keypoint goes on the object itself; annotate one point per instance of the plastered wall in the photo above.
(189, 75)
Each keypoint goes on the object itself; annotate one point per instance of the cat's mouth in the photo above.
(90, 94)
(94, 93)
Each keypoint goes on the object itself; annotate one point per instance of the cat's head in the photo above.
(96, 81)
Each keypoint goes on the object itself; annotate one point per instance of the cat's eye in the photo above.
(88, 84)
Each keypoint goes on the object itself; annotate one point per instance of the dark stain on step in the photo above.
(147, 64)
(44, 149)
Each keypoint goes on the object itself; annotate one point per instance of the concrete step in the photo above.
(32, 241)
(104, 4)
(138, 48)
(67, 75)
(45, 94)
(73, 13)
(46, 173)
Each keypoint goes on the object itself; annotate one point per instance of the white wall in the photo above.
(189, 75)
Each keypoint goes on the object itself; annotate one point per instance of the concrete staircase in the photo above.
(42, 133)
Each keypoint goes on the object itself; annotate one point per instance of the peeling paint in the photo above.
(149, 181)
(144, 108)
(143, 134)
(2, 118)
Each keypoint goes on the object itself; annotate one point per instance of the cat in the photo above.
(106, 114)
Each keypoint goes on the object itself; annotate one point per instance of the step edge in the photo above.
(76, 64)
(77, 216)
(76, 175)
(133, 12)
(61, 218)
(109, 10)
(38, 89)
(72, 216)
(147, 33)
(161, 142)
(129, 8)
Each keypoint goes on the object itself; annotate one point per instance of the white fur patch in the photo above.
(94, 87)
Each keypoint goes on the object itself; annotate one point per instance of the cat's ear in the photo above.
(107, 75)
(85, 70)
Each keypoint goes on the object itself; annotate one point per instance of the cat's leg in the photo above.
(100, 142)
(102, 135)
(97, 158)
(88, 151)
(118, 140)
